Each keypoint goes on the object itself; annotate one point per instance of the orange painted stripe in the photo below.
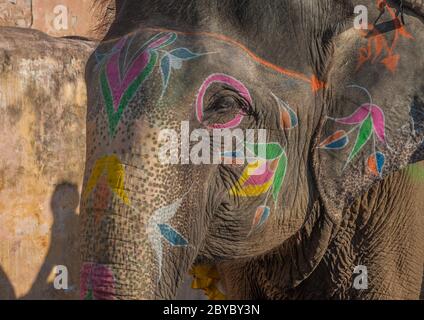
(313, 80)
(316, 84)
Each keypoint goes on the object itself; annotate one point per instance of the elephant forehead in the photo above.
(176, 52)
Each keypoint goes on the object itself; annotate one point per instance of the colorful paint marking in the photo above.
(369, 121)
(233, 157)
(114, 171)
(97, 282)
(365, 111)
(261, 216)
(159, 228)
(383, 51)
(336, 141)
(315, 83)
(173, 61)
(120, 80)
(288, 118)
(231, 82)
(172, 236)
(376, 163)
(254, 185)
(263, 174)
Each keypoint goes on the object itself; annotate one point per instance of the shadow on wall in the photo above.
(64, 247)
(6, 289)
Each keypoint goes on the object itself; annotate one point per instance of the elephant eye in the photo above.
(225, 104)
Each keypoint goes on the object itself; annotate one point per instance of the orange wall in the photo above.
(55, 17)
(79, 17)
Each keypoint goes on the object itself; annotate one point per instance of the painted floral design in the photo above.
(265, 175)
(369, 121)
(159, 228)
(232, 83)
(122, 74)
(108, 171)
(378, 48)
(288, 117)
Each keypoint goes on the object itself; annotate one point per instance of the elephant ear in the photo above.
(373, 113)
(363, 140)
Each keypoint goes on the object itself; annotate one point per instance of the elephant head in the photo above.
(341, 108)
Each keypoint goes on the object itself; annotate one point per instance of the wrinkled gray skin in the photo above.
(326, 220)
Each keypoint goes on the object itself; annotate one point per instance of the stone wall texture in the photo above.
(42, 152)
(55, 17)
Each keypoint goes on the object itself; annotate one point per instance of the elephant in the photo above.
(324, 199)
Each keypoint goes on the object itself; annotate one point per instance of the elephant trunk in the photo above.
(114, 264)
(136, 239)
(416, 5)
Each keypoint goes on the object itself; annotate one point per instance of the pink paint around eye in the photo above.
(230, 81)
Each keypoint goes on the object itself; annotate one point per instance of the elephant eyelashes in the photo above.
(225, 104)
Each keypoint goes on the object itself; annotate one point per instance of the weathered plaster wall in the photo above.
(16, 13)
(42, 152)
(55, 17)
(81, 18)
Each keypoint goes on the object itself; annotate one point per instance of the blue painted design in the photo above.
(99, 56)
(381, 159)
(184, 54)
(172, 60)
(165, 68)
(233, 154)
(156, 233)
(288, 117)
(339, 144)
(265, 216)
(172, 236)
(293, 117)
